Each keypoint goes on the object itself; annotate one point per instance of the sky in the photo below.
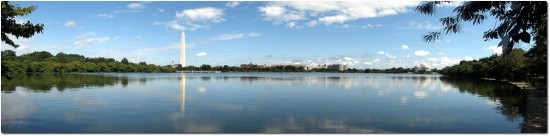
(360, 34)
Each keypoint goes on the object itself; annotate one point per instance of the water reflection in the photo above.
(182, 92)
(257, 103)
(509, 101)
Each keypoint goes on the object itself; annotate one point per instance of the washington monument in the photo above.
(182, 49)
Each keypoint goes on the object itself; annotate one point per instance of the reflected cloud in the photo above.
(404, 99)
(420, 94)
(193, 123)
(69, 117)
(312, 125)
(201, 89)
(16, 107)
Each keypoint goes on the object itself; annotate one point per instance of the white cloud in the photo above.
(201, 14)
(232, 4)
(452, 4)
(193, 19)
(445, 61)
(468, 58)
(70, 24)
(253, 34)
(495, 49)
(89, 41)
(381, 52)
(431, 59)
(330, 12)
(390, 56)
(291, 24)
(232, 36)
(85, 35)
(175, 25)
(405, 47)
(376, 60)
(311, 23)
(105, 15)
(135, 6)
(201, 54)
(422, 26)
(421, 53)
(440, 53)
(86, 39)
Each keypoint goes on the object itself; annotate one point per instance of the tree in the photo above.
(205, 67)
(10, 26)
(516, 19)
(8, 55)
(124, 61)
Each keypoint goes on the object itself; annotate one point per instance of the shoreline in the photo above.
(536, 111)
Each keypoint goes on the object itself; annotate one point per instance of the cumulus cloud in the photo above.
(310, 13)
(421, 53)
(440, 53)
(87, 39)
(201, 54)
(467, 58)
(405, 47)
(70, 24)
(495, 49)
(201, 14)
(193, 19)
(232, 36)
(381, 52)
(135, 6)
(232, 4)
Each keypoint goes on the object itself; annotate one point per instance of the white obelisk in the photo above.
(182, 54)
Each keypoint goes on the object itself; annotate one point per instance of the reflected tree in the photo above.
(46, 82)
(511, 106)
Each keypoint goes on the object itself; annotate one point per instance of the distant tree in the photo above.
(143, 63)
(518, 20)
(37, 56)
(205, 67)
(8, 55)
(10, 26)
(124, 61)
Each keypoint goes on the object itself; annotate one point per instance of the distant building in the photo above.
(247, 65)
(340, 67)
(422, 67)
(175, 65)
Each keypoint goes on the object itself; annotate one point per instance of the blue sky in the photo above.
(361, 34)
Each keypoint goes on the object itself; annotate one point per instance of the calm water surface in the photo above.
(257, 103)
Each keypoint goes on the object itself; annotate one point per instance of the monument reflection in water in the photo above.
(257, 103)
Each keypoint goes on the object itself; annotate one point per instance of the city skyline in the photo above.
(371, 34)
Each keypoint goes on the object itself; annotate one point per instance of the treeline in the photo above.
(256, 68)
(226, 68)
(290, 68)
(401, 70)
(45, 62)
(515, 66)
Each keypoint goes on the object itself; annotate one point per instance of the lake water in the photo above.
(257, 103)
